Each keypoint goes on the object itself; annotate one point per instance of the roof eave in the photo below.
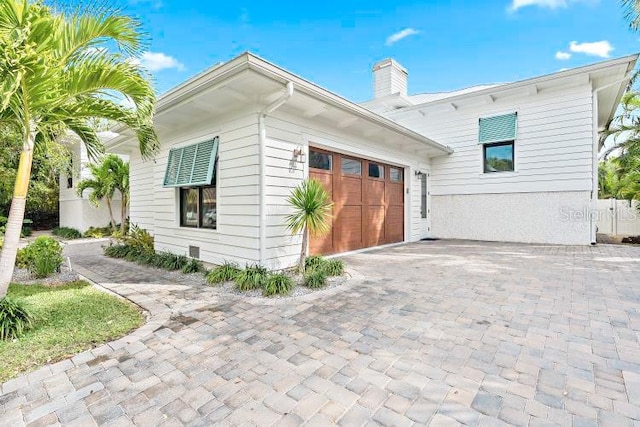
(630, 59)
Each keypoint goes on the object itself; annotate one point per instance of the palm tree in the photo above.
(632, 13)
(102, 185)
(119, 174)
(312, 213)
(58, 73)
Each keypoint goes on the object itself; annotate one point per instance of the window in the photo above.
(395, 174)
(192, 169)
(320, 160)
(498, 134)
(423, 195)
(198, 207)
(351, 166)
(376, 171)
(70, 174)
(498, 157)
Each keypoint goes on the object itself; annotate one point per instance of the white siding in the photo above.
(237, 234)
(284, 134)
(142, 203)
(553, 147)
(553, 169)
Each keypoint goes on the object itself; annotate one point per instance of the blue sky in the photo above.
(445, 45)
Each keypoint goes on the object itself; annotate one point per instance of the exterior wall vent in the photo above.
(194, 252)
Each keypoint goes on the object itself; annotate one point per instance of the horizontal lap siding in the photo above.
(237, 235)
(553, 148)
(142, 203)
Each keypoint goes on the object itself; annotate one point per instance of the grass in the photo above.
(69, 319)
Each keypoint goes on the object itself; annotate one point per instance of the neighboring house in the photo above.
(76, 211)
(513, 162)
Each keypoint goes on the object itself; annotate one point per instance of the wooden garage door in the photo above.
(368, 201)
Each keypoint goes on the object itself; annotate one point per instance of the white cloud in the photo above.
(396, 37)
(156, 61)
(562, 56)
(602, 48)
(549, 4)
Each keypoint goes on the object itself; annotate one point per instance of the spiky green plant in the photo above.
(333, 267)
(311, 213)
(277, 284)
(15, 318)
(315, 279)
(192, 266)
(313, 261)
(223, 273)
(252, 277)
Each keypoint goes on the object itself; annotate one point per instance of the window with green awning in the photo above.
(498, 128)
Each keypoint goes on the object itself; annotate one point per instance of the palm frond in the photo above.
(311, 208)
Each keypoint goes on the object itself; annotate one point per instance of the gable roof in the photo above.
(217, 75)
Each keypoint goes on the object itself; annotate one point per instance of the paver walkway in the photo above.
(437, 333)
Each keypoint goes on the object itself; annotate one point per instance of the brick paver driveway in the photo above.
(435, 333)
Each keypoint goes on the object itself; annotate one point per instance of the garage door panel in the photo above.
(375, 192)
(349, 228)
(375, 230)
(396, 194)
(323, 244)
(394, 223)
(350, 190)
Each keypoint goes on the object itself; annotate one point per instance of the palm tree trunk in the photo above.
(123, 213)
(16, 215)
(303, 252)
(112, 219)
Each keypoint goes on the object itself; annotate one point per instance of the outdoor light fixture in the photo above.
(299, 155)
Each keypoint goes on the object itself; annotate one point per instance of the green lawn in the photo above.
(70, 318)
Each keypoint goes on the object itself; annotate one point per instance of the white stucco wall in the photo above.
(76, 211)
(81, 214)
(543, 217)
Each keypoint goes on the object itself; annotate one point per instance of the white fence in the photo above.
(618, 217)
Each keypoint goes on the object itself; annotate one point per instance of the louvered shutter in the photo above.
(192, 165)
(498, 128)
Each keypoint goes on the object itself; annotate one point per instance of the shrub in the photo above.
(333, 267)
(315, 279)
(277, 284)
(15, 318)
(21, 259)
(139, 238)
(223, 273)
(192, 266)
(252, 277)
(170, 261)
(117, 251)
(314, 261)
(43, 256)
(98, 232)
(66, 233)
(26, 230)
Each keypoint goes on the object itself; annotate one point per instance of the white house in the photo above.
(510, 162)
(77, 211)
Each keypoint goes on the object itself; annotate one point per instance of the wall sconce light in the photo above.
(299, 155)
(418, 173)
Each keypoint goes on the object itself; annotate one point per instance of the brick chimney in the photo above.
(389, 78)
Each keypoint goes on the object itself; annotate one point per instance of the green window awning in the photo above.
(498, 128)
(192, 165)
